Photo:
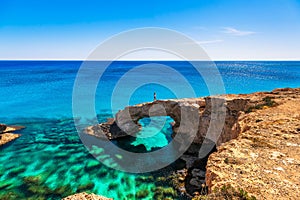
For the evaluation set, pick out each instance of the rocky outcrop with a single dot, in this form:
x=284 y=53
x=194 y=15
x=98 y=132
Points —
x=196 y=117
x=7 y=135
x=184 y=112
x=252 y=133
x=86 y=196
x=264 y=159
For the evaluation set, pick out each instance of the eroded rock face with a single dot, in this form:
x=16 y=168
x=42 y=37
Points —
x=264 y=159
x=184 y=112
x=238 y=125
x=194 y=118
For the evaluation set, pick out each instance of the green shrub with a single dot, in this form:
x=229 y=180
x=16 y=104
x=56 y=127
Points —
x=267 y=102
x=228 y=192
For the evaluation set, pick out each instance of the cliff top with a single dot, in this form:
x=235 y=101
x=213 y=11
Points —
x=264 y=160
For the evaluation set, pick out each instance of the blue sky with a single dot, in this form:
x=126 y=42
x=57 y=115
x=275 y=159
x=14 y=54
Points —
x=226 y=29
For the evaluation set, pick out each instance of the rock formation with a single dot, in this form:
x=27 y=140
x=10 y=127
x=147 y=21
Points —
x=264 y=159
x=217 y=115
x=7 y=135
x=86 y=196
x=256 y=135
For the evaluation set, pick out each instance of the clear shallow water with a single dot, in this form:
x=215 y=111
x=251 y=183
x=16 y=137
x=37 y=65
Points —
x=155 y=133
x=49 y=160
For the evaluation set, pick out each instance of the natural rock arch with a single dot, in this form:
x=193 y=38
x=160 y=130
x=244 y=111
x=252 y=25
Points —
x=193 y=114
x=235 y=106
x=180 y=112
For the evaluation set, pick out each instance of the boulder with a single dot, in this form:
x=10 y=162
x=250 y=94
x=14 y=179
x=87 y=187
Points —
x=86 y=196
x=7 y=134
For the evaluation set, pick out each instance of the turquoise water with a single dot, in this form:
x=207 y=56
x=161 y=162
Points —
x=49 y=160
x=155 y=133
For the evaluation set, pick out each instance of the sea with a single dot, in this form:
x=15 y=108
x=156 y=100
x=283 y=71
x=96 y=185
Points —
x=50 y=161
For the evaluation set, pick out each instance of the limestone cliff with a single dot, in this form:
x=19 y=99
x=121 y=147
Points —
x=264 y=159
x=190 y=115
x=257 y=137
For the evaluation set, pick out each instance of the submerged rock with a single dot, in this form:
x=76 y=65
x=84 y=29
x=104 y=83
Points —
x=141 y=194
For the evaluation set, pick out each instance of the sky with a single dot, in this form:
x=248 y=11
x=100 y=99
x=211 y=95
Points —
x=225 y=29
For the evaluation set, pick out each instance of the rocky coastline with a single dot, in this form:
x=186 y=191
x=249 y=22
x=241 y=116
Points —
x=263 y=162
x=255 y=156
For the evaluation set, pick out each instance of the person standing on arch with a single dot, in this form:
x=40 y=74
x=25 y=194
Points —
x=154 y=96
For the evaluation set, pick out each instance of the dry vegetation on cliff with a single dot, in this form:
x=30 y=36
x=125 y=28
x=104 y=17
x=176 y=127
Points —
x=264 y=160
x=258 y=149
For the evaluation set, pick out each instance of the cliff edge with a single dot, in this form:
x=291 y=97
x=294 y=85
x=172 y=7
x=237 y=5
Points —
x=264 y=160
x=258 y=144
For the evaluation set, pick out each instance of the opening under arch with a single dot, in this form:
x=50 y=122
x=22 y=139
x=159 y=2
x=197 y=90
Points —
x=156 y=132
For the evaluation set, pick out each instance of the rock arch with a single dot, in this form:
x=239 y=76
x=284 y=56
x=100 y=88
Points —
x=196 y=113
x=181 y=112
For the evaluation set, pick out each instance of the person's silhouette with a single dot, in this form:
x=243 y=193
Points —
x=154 y=96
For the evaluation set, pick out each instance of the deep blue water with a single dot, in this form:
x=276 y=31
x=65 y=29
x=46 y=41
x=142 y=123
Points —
x=43 y=89
x=49 y=156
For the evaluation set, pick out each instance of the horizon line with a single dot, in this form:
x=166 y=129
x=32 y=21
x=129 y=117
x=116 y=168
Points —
x=160 y=60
